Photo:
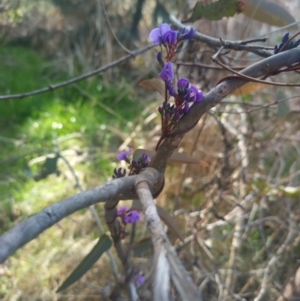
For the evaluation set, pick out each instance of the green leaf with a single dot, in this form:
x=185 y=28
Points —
x=103 y=244
x=260 y=10
x=165 y=216
x=267 y=12
x=169 y=221
x=49 y=167
x=215 y=10
x=141 y=246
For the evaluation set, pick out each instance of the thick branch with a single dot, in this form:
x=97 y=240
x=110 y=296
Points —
x=166 y=261
x=121 y=189
x=212 y=98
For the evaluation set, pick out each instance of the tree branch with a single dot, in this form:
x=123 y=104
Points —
x=212 y=98
x=78 y=78
x=233 y=45
x=121 y=189
x=166 y=262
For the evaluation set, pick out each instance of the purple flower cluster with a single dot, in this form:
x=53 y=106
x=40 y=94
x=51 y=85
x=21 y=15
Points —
x=289 y=45
x=186 y=92
x=128 y=216
x=139 y=279
x=184 y=95
x=135 y=166
x=166 y=36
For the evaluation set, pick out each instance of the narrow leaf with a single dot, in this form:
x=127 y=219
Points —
x=103 y=244
x=175 y=158
x=49 y=167
x=249 y=88
x=169 y=221
x=267 y=12
x=155 y=84
x=141 y=246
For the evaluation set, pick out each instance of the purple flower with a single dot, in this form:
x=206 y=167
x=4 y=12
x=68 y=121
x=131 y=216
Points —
x=122 y=211
x=287 y=46
x=123 y=155
x=132 y=217
x=171 y=89
x=163 y=35
x=183 y=86
x=285 y=38
x=139 y=280
x=170 y=37
x=145 y=159
x=186 y=35
x=127 y=216
x=119 y=173
x=167 y=73
x=195 y=95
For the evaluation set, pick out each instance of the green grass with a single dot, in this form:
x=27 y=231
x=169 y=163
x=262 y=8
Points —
x=86 y=123
x=84 y=117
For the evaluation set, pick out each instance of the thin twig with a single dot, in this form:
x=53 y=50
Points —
x=214 y=42
x=79 y=78
x=111 y=29
x=251 y=79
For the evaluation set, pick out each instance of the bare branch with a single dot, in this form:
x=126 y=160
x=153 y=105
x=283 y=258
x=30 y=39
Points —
x=166 y=259
x=120 y=189
x=226 y=44
x=78 y=78
x=161 y=268
x=212 y=98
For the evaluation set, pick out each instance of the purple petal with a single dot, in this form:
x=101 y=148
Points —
x=171 y=89
x=163 y=28
x=132 y=217
x=195 y=94
x=167 y=74
x=170 y=37
x=183 y=85
x=139 y=280
x=146 y=158
x=285 y=38
x=123 y=155
x=187 y=35
x=155 y=36
x=122 y=211
x=199 y=96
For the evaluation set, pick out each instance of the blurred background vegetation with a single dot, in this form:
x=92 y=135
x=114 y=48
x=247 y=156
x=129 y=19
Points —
x=239 y=210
